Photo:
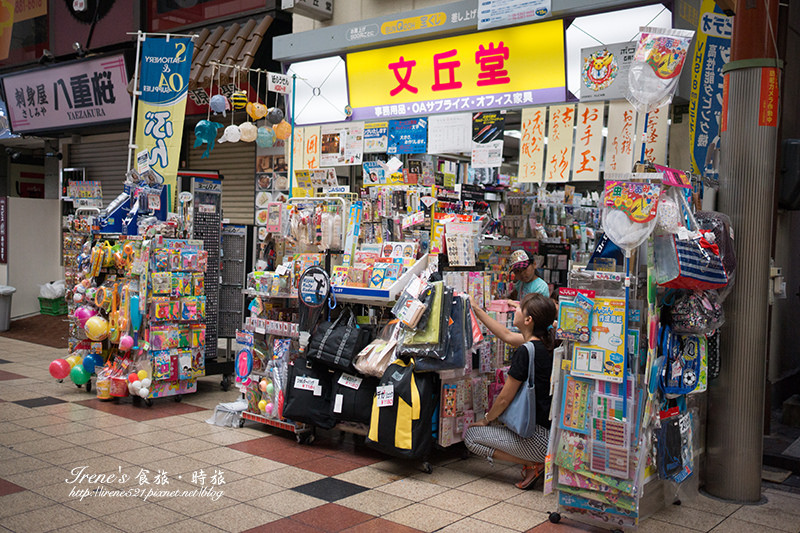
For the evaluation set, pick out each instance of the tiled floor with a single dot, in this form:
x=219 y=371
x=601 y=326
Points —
x=60 y=447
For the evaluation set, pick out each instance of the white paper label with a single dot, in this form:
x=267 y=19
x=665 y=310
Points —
x=337 y=403
x=385 y=395
x=318 y=390
x=304 y=383
x=350 y=381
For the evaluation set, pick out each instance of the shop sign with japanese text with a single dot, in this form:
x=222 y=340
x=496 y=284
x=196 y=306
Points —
x=496 y=13
x=604 y=71
x=512 y=67
x=83 y=92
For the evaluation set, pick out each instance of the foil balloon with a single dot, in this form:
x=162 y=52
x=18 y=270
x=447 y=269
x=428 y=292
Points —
x=239 y=100
x=275 y=115
x=282 y=130
x=249 y=131
x=219 y=104
x=232 y=134
x=265 y=137
x=206 y=132
x=256 y=110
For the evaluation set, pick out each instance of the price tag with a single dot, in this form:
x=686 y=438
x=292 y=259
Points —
x=154 y=201
x=385 y=396
x=304 y=383
x=350 y=381
x=337 y=403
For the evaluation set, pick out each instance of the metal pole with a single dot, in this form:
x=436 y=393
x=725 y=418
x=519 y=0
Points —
x=291 y=143
x=747 y=183
x=140 y=37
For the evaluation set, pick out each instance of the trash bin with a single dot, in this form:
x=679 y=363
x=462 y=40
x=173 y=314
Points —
x=6 y=292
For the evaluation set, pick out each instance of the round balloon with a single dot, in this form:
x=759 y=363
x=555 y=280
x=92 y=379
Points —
x=283 y=130
x=72 y=361
x=84 y=313
x=79 y=375
x=133 y=377
x=262 y=405
x=262 y=385
x=144 y=392
x=125 y=343
x=142 y=374
x=265 y=137
x=146 y=383
x=96 y=328
x=270 y=389
x=269 y=408
x=89 y=362
x=60 y=368
x=275 y=115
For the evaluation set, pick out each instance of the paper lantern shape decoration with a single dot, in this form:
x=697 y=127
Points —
x=249 y=131
x=321 y=91
x=239 y=100
x=206 y=132
x=266 y=137
x=232 y=134
x=219 y=104
x=256 y=110
x=282 y=130
x=275 y=115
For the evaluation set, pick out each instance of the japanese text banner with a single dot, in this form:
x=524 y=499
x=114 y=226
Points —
x=620 y=140
x=588 y=142
x=517 y=66
x=654 y=135
x=559 y=143
x=531 y=144
x=162 y=104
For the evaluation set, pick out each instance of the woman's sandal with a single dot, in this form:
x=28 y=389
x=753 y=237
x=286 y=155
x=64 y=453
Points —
x=531 y=475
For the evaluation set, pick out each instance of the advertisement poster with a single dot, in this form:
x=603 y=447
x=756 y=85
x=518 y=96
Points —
x=487 y=139
x=604 y=71
x=408 y=136
x=496 y=13
x=342 y=144
x=603 y=358
x=450 y=134
x=712 y=51
x=376 y=137
x=162 y=104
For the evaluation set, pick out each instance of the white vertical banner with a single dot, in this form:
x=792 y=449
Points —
x=559 y=143
x=531 y=144
x=297 y=161
x=310 y=147
x=588 y=141
x=620 y=140
x=655 y=138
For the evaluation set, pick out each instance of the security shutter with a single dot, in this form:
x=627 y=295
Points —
x=237 y=163
x=105 y=161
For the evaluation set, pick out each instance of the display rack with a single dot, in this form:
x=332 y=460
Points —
x=380 y=296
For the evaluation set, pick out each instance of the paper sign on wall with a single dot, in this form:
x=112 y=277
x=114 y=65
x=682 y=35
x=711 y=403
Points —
x=531 y=144
x=448 y=134
x=559 y=143
x=588 y=142
x=487 y=139
x=620 y=140
x=342 y=144
x=376 y=137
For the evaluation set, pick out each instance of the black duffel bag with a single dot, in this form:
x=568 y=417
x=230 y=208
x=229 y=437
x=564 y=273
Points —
x=337 y=343
x=308 y=394
x=351 y=399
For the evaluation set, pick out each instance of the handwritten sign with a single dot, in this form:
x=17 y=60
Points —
x=619 y=143
x=588 y=142
x=531 y=144
x=559 y=143
x=654 y=136
x=279 y=83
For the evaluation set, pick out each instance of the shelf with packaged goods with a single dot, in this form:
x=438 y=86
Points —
x=380 y=296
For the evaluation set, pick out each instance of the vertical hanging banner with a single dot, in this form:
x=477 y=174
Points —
x=588 y=142
x=311 y=149
x=619 y=143
x=712 y=51
x=559 y=143
x=162 y=104
x=531 y=144
x=655 y=137
x=6 y=25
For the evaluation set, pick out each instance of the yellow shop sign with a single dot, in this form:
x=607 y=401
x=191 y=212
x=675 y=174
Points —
x=413 y=23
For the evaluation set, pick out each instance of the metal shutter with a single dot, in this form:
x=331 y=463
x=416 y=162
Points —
x=105 y=161
x=237 y=163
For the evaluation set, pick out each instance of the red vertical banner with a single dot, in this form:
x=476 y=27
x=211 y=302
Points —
x=3 y=230
x=768 y=99
x=723 y=122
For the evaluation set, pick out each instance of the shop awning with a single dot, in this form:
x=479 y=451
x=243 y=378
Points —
x=235 y=45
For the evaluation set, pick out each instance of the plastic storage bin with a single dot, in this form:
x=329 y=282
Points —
x=6 y=292
x=53 y=306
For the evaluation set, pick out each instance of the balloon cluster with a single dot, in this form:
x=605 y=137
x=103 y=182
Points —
x=139 y=384
x=266 y=386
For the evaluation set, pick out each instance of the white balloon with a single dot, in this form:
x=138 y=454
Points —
x=136 y=385
x=146 y=383
x=144 y=393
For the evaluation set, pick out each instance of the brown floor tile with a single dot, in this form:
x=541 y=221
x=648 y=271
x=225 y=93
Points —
x=4 y=375
x=379 y=525
x=6 y=487
x=290 y=456
x=284 y=525
x=328 y=466
x=332 y=517
x=161 y=408
x=255 y=446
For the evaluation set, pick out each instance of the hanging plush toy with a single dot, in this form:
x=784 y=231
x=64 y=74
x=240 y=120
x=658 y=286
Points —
x=275 y=115
x=256 y=110
x=249 y=131
x=239 y=100
x=282 y=130
x=219 y=104
x=265 y=137
x=206 y=132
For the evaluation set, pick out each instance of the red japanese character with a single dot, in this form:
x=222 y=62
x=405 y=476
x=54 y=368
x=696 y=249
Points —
x=585 y=156
x=445 y=65
x=403 y=80
x=590 y=113
x=492 y=61
x=566 y=118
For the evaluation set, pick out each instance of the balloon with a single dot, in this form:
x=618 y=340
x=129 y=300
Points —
x=275 y=115
x=72 y=361
x=219 y=104
x=249 y=131
x=270 y=389
x=60 y=368
x=90 y=292
x=269 y=408
x=146 y=383
x=89 y=362
x=206 y=132
x=79 y=375
x=256 y=110
x=77 y=297
x=136 y=385
x=239 y=100
x=80 y=288
x=84 y=313
x=96 y=328
x=133 y=377
x=232 y=134
x=262 y=385
x=262 y=405
x=265 y=137
x=282 y=130
x=142 y=374
x=125 y=343
x=144 y=392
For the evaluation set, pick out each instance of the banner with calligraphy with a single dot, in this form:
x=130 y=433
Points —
x=91 y=91
x=588 y=142
x=655 y=137
x=510 y=67
x=164 y=80
x=294 y=151
x=310 y=147
x=620 y=138
x=531 y=144
x=712 y=51
x=561 y=122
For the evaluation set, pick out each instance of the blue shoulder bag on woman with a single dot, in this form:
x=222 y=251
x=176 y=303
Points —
x=520 y=415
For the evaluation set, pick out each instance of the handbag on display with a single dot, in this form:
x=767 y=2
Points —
x=337 y=343
x=681 y=366
x=520 y=415
x=460 y=341
x=351 y=397
x=308 y=394
x=376 y=356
